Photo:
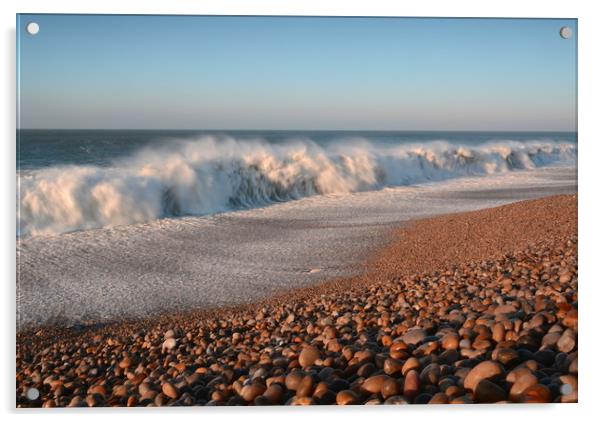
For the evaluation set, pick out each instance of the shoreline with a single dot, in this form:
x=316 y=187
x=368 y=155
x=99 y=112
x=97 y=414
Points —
x=420 y=248
x=240 y=257
x=379 y=272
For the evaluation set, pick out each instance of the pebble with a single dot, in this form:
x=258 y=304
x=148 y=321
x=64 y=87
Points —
x=391 y=387
x=448 y=357
x=251 y=391
x=483 y=371
x=293 y=380
x=450 y=341
x=439 y=398
x=489 y=392
x=347 y=397
x=396 y=400
x=308 y=356
x=506 y=356
x=414 y=336
x=567 y=341
x=536 y=394
x=392 y=366
x=411 y=385
x=76 y=401
x=274 y=393
x=374 y=384
x=410 y=364
x=430 y=374
x=169 y=344
x=305 y=387
x=523 y=381
x=98 y=389
x=170 y=391
x=499 y=332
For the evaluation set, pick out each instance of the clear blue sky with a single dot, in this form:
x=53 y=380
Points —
x=195 y=72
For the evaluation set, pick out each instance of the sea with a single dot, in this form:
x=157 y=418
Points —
x=85 y=179
x=116 y=224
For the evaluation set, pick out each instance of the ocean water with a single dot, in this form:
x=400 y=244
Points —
x=116 y=224
x=77 y=180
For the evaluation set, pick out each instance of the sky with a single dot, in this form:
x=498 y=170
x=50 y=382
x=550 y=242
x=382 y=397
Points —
x=209 y=72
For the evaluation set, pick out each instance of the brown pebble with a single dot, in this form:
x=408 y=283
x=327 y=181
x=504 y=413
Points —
x=125 y=362
x=410 y=364
x=414 y=336
x=536 y=394
x=262 y=401
x=390 y=387
x=450 y=341
x=249 y=392
x=448 y=357
x=330 y=332
x=396 y=400
x=169 y=344
x=570 y=320
x=430 y=374
x=374 y=384
x=347 y=397
x=573 y=367
x=567 y=341
x=160 y=399
x=308 y=356
x=386 y=340
x=392 y=366
x=517 y=372
x=302 y=401
x=485 y=370
x=324 y=397
x=366 y=370
x=439 y=398
x=454 y=391
x=120 y=390
x=505 y=356
x=498 y=333
x=305 y=387
x=149 y=395
x=411 y=384
x=462 y=400
x=523 y=381
x=76 y=401
x=489 y=392
x=274 y=393
x=91 y=400
x=293 y=380
x=98 y=389
x=170 y=391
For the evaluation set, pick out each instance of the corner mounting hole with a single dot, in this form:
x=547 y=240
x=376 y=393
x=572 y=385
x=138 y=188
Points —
x=33 y=28
x=566 y=32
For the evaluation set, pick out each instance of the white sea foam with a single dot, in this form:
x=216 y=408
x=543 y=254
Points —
x=178 y=264
x=210 y=175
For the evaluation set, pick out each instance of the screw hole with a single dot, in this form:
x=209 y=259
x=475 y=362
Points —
x=33 y=28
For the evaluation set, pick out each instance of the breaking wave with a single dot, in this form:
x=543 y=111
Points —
x=210 y=175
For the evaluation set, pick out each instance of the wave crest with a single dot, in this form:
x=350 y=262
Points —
x=212 y=174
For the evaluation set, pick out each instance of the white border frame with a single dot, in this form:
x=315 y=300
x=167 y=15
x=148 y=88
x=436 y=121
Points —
x=590 y=141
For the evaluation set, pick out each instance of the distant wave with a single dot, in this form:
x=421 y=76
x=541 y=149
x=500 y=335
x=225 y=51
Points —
x=209 y=175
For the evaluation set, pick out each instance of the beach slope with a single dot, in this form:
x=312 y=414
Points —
x=476 y=307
